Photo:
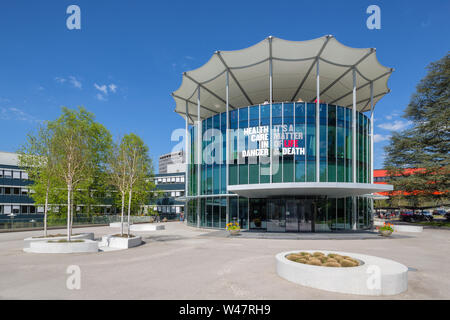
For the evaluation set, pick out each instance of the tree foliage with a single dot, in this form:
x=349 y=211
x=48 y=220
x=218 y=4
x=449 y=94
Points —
x=80 y=147
x=130 y=170
x=425 y=146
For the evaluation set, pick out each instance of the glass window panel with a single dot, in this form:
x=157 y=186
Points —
x=233 y=209
x=311 y=143
x=216 y=213
x=331 y=143
x=243 y=213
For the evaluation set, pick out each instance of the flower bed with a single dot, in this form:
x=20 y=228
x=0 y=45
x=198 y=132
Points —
x=320 y=259
x=386 y=229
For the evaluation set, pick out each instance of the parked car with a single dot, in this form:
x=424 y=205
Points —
x=440 y=212
x=411 y=216
x=407 y=216
x=447 y=215
x=427 y=215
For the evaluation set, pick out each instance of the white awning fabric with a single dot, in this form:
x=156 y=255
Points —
x=294 y=76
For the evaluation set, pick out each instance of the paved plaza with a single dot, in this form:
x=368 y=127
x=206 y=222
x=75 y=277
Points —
x=186 y=263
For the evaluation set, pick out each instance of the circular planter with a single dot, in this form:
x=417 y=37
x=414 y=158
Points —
x=86 y=236
x=234 y=232
x=386 y=233
x=120 y=242
x=147 y=227
x=62 y=247
x=376 y=276
x=118 y=224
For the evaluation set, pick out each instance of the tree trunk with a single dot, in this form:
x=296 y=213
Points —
x=121 y=214
x=45 y=210
x=129 y=210
x=68 y=211
x=71 y=212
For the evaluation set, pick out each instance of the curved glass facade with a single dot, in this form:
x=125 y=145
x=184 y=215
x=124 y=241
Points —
x=287 y=133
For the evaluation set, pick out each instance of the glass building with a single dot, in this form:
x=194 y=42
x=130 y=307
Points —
x=301 y=165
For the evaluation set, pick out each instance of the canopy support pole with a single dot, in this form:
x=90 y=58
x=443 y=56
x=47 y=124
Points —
x=227 y=156
x=271 y=98
x=371 y=132
x=371 y=150
x=354 y=147
x=317 y=121
x=199 y=155
x=187 y=157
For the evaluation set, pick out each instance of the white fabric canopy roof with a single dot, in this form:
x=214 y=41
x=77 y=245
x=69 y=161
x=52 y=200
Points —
x=294 y=76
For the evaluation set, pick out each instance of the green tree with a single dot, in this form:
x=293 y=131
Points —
x=118 y=170
x=36 y=159
x=426 y=144
x=80 y=147
x=130 y=169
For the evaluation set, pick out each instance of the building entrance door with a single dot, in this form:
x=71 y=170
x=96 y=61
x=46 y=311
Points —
x=276 y=218
x=305 y=216
x=292 y=209
x=257 y=213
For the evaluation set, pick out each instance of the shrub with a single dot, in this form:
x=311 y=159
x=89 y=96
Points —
x=305 y=253
x=301 y=260
x=293 y=257
x=332 y=264
x=314 y=262
x=318 y=254
x=347 y=263
x=324 y=259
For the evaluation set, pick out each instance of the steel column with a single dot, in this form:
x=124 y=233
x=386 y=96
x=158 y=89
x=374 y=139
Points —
x=354 y=147
x=227 y=143
x=199 y=157
x=317 y=122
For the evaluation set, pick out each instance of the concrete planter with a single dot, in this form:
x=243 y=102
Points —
x=377 y=276
x=86 y=236
x=386 y=233
x=120 y=242
x=406 y=228
x=234 y=232
x=117 y=225
x=147 y=227
x=62 y=247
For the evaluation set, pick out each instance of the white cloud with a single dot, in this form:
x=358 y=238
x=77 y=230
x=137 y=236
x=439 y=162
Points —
x=389 y=117
x=380 y=137
x=72 y=80
x=396 y=125
x=105 y=89
x=12 y=113
x=75 y=82
x=101 y=88
x=60 y=80
x=100 y=97
x=112 y=87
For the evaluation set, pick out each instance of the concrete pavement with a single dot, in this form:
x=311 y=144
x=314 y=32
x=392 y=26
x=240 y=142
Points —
x=186 y=263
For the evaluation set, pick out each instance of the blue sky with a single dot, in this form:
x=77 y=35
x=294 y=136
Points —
x=129 y=55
